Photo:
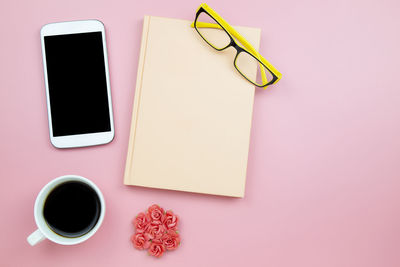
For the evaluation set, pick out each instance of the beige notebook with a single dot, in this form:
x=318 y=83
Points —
x=192 y=113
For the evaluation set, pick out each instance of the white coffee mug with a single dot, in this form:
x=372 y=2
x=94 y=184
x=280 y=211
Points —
x=44 y=231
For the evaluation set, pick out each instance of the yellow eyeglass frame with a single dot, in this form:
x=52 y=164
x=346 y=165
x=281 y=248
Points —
x=243 y=46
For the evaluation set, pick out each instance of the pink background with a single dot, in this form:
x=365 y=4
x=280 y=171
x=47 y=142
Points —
x=323 y=174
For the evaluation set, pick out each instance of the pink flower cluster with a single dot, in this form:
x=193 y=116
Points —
x=156 y=231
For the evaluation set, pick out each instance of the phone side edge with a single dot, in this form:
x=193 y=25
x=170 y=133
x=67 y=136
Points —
x=44 y=63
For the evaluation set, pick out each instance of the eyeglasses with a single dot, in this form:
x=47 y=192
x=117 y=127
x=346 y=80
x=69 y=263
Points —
x=220 y=35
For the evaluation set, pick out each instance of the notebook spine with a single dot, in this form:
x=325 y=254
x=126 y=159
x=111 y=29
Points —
x=136 y=105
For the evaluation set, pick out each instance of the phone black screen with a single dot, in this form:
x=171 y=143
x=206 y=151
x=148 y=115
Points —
x=77 y=83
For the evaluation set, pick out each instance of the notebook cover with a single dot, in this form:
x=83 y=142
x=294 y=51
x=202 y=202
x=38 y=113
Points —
x=192 y=113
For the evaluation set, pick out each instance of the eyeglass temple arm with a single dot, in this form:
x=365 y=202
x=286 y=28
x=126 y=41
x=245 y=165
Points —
x=247 y=45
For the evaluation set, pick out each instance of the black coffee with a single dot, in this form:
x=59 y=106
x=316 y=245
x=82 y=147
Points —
x=72 y=209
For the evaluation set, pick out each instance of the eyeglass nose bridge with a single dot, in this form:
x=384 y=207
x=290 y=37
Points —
x=236 y=46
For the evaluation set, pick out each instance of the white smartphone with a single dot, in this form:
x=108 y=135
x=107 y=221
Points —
x=77 y=83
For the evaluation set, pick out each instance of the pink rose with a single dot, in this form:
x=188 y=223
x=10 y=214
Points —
x=140 y=241
x=141 y=221
x=156 y=249
x=155 y=231
x=170 y=220
x=156 y=214
x=171 y=240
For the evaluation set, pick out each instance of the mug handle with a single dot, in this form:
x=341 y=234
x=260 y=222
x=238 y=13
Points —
x=35 y=237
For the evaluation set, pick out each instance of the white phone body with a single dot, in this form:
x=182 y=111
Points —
x=68 y=29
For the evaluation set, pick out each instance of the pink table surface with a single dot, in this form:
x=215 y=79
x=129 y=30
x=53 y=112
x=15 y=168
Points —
x=323 y=177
